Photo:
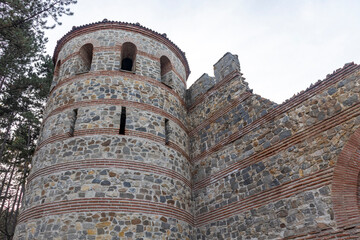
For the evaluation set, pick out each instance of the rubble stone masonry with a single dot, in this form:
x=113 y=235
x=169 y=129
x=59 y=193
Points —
x=127 y=152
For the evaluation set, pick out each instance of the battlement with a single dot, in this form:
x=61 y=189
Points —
x=224 y=70
x=226 y=65
x=199 y=87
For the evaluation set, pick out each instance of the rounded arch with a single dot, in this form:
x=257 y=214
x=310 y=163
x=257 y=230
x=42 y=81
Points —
x=166 y=71
x=128 y=56
x=86 y=55
x=57 y=69
x=345 y=184
x=165 y=65
x=56 y=77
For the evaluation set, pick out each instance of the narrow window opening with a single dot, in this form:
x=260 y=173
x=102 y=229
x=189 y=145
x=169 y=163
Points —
x=73 y=122
x=167 y=131
x=122 y=121
x=128 y=56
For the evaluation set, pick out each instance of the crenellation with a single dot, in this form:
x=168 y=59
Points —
x=226 y=65
x=127 y=152
x=199 y=87
x=217 y=100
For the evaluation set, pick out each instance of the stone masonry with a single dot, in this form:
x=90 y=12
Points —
x=127 y=152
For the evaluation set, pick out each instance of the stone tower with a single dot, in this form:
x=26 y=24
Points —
x=113 y=159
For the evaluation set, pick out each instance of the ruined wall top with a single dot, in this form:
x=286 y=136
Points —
x=226 y=66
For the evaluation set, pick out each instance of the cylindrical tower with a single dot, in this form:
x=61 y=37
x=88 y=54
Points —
x=112 y=161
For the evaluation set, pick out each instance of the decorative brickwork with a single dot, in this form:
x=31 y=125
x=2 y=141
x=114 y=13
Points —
x=345 y=189
x=127 y=152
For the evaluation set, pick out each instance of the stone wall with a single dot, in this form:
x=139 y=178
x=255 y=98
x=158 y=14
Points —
x=263 y=170
x=198 y=88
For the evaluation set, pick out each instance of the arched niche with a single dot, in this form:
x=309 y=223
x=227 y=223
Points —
x=128 y=57
x=86 y=56
x=345 y=184
x=166 y=71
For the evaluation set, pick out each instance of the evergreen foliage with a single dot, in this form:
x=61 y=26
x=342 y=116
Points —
x=25 y=77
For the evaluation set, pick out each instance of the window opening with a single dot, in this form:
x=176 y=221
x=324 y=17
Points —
x=57 y=69
x=126 y=64
x=73 y=122
x=86 y=55
x=165 y=71
x=56 y=75
x=128 y=56
x=167 y=131
x=122 y=121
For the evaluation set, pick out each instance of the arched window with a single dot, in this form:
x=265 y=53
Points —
x=86 y=55
x=128 y=56
x=166 y=71
x=56 y=75
x=57 y=70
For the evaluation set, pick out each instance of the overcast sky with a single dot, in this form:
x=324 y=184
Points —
x=283 y=46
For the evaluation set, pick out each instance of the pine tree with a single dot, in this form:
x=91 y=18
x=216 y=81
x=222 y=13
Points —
x=25 y=78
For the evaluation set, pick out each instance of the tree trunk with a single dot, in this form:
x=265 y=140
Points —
x=7 y=188
x=11 y=121
x=3 y=181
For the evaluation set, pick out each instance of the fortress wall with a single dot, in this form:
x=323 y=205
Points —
x=273 y=177
x=215 y=161
x=199 y=87
x=216 y=99
x=213 y=131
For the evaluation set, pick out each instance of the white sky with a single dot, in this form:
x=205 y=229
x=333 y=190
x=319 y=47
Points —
x=283 y=45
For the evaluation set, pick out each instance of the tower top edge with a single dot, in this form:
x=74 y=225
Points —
x=133 y=27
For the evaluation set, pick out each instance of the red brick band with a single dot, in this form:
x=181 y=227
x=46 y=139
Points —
x=288 y=189
x=118 y=102
x=315 y=181
x=130 y=76
x=113 y=131
x=345 y=185
x=330 y=233
x=286 y=106
x=71 y=55
x=105 y=205
x=157 y=139
x=109 y=163
x=316 y=129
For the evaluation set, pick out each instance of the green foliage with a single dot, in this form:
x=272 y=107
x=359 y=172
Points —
x=25 y=78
